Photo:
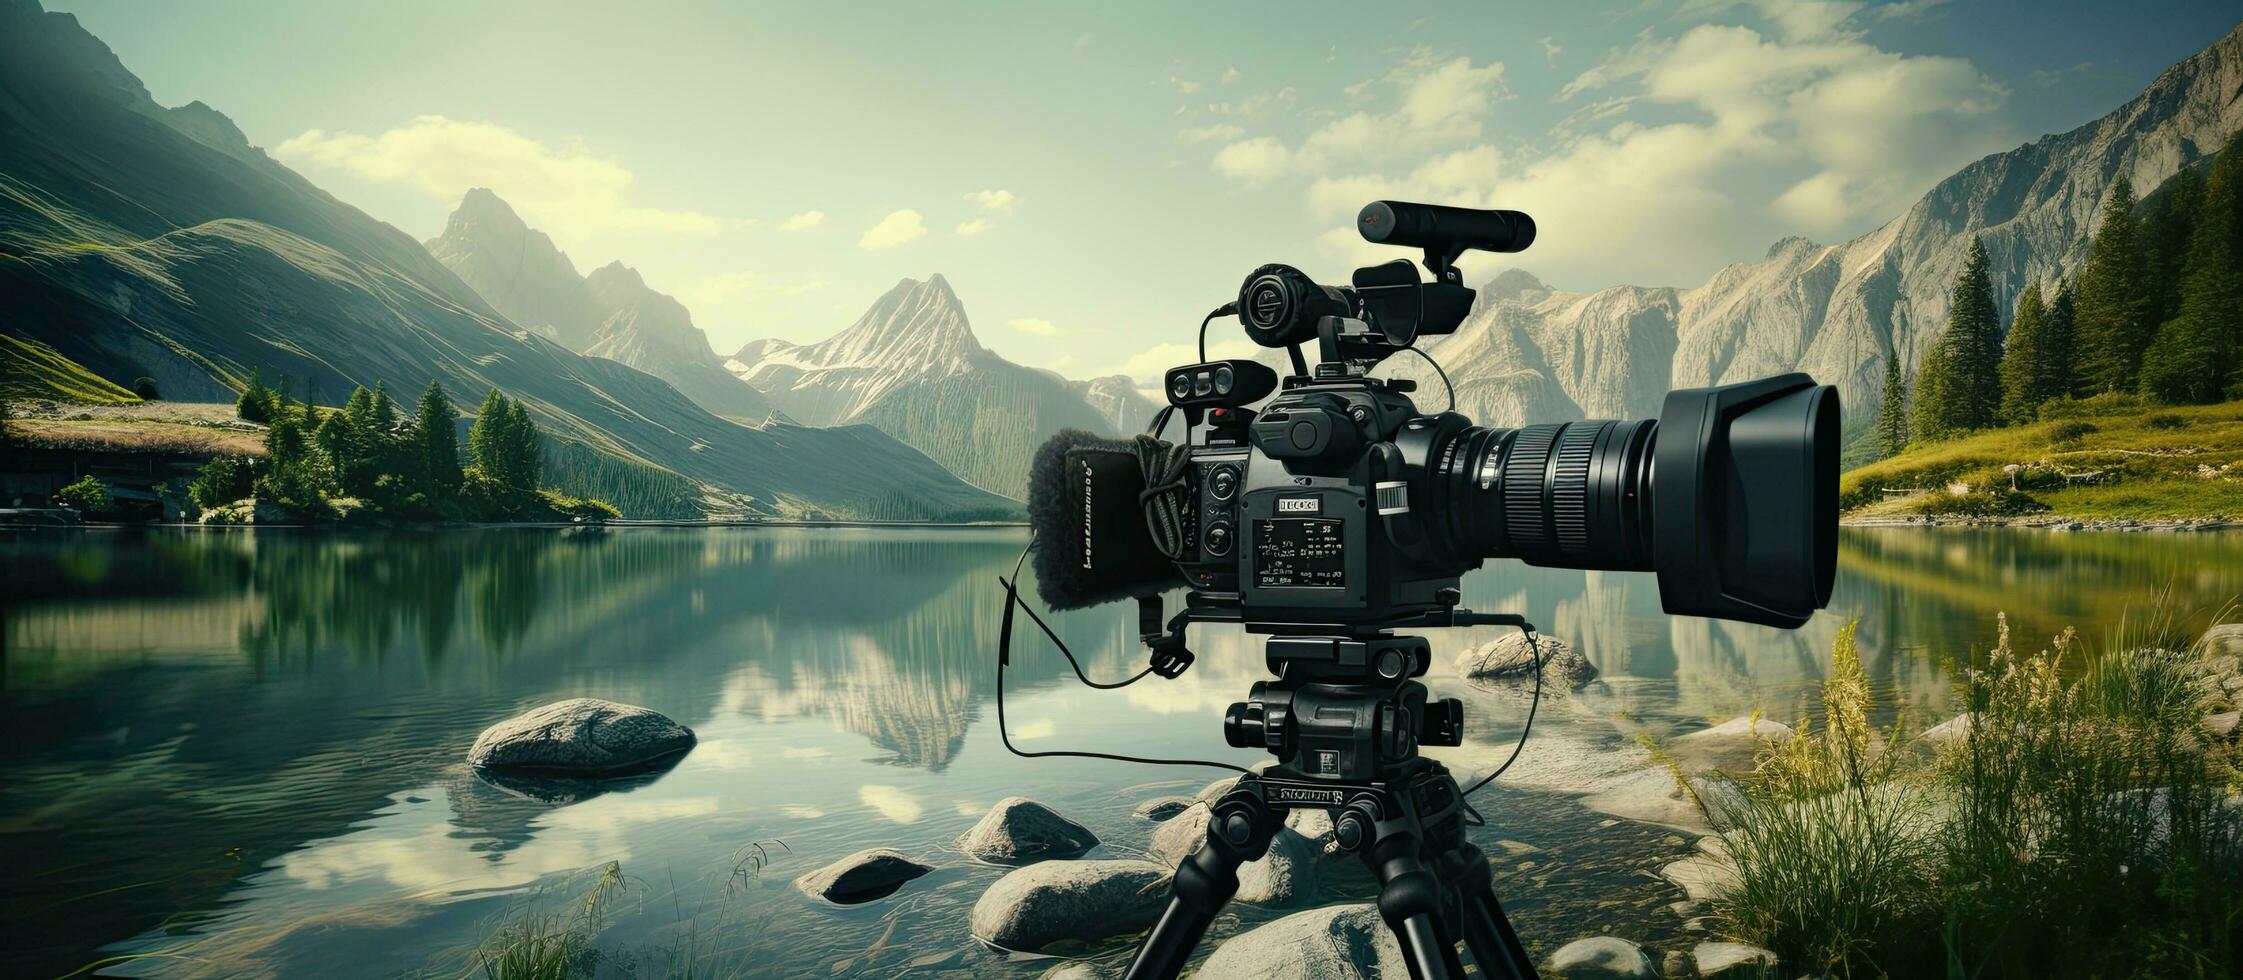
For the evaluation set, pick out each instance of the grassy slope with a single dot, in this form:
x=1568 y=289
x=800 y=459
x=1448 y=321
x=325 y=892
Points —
x=30 y=369
x=2155 y=463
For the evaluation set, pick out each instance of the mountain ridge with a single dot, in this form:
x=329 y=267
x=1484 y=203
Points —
x=1838 y=311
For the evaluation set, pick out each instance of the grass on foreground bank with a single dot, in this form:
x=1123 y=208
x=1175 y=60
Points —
x=2104 y=458
x=2086 y=825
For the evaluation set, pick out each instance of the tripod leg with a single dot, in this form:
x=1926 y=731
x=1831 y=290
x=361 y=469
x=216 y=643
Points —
x=1238 y=831
x=1410 y=902
x=1487 y=932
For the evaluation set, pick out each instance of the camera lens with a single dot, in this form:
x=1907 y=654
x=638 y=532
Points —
x=1223 y=380
x=1568 y=494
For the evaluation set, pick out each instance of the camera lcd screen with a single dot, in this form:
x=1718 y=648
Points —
x=1297 y=552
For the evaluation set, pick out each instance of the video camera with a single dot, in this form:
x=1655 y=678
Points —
x=1337 y=504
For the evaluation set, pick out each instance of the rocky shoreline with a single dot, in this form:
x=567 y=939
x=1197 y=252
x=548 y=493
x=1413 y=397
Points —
x=2051 y=523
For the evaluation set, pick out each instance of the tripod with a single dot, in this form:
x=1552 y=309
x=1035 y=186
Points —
x=1345 y=719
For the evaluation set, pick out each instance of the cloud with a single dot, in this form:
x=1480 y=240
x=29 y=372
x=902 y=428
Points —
x=1217 y=133
x=1550 y=52
x=730 y=286
x=972 y=227
x=895 y=229
x=798 y=222
x=1255 y=161
x=1033 y=325
x=1148 y=365
x=1230 y=75
x=993 y=200
x=891 y=802
x=567 y=191
x=1183 y=85
x=1436 y=103
x=1035 y=729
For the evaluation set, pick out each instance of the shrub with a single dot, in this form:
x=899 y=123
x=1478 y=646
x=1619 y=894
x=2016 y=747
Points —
x=146 y=388
x=582 y=508
x=2070 y=433
x=85 y=496
x=2167 y=421
x=222 y=481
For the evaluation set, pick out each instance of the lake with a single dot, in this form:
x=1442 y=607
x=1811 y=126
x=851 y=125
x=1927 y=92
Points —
x=240 y=752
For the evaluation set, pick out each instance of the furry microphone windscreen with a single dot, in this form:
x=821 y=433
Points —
x=1091 y=542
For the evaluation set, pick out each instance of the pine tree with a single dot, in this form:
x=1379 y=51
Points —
x=2195 y=353
x=521 y=449
x=1892 y=416
x=436 y=444
x=2059 y=341
x=287 y=455
x=384 y=413
x=256 y=401
x=2167 y=228
x=484 y=439
x=2025 y=365
x=2112 y=324
x=1960 y=386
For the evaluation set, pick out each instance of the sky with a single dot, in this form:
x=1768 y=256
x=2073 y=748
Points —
x=1092 y=179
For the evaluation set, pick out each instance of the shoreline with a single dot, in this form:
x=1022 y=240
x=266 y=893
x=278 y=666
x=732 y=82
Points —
x=2047 y=522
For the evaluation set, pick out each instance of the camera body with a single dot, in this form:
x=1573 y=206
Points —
x=1293 y=507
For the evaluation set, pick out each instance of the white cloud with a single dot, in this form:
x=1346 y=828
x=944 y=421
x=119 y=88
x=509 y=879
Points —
x=972 y=227
x=1183 y=85
x=1550 y=51
x=1035 y=729
x=566 y=191
x=1217 y=133
x=1033 y=325
x=806 y=219
x=1255 y=161
x=891 y=802
x=895 y=229
x=730 y=286
x=1148 y=365
x=1230 y=75
x=997 y=200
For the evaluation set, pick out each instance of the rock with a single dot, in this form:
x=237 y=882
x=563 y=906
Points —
x=581 y=736
x=1733 y=745
x=2224 y=640
x=1215 y=790
x=861 y=877
x=1078 y=971
x=1290 y=872
x=1723 y=959
x=1952 y=730
x=1674 y=963
x=1084 y=901
x=2222 y=724
x=1335 y=941
x=1162 y=807
x=1703 y=877
x=1509 y=657
x=1600 y=958
x=1019 y=830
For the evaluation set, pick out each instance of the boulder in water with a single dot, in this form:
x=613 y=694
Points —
x=861 y=877
x=1510 y=657
x=1080 y=901
x=1162 y=807
x=1019 y=830
x=1289 y=872
x=1335 y=941
x=1601 y=958
x=1733 y=960
x=581 y=737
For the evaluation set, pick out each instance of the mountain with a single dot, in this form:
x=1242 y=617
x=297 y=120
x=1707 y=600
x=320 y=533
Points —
x=139 y=240
x=612 y=313
x=1116 y=399
x=911 y=366
x=1528 y=352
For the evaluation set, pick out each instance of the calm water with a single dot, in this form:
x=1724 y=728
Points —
x=239 y=753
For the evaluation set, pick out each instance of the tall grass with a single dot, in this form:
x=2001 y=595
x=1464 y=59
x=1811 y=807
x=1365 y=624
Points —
x=2082 y=826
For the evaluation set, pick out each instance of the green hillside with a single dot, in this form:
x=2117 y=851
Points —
x=2104 y=458
x=142 y=241
x=30 y=369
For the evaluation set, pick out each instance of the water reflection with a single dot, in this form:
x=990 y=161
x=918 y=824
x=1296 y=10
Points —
x=268 y=726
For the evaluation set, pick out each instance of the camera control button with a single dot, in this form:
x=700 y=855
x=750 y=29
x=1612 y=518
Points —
x=1218 y=539
x=1223 y=483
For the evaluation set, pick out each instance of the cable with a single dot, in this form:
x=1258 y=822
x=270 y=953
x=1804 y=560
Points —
x=1224 y=310
x=1444 y=376
x=1167 y=472
x=1004 y=656
x=1534 y=649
